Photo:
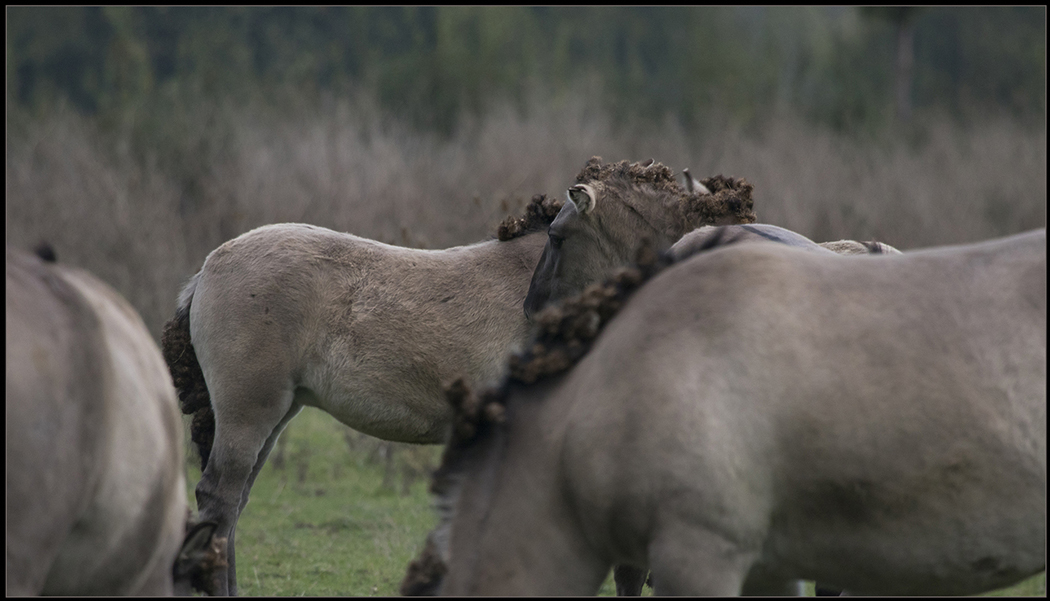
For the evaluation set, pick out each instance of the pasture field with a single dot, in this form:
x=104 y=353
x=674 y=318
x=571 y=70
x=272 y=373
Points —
x=334 y=514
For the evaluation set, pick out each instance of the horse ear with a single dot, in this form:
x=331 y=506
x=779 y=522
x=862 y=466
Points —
x=691 y=185
x=583 y=197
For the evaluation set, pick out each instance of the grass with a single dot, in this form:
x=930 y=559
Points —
x=326 y=523
x=333 y=514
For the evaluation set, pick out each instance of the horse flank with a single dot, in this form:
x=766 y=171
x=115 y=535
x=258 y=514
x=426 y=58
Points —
x=181 y=358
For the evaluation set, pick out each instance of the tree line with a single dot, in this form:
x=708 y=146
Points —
x=432 y=65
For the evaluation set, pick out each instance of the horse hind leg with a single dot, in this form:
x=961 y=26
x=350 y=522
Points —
x=247 y=424
x=264 y=453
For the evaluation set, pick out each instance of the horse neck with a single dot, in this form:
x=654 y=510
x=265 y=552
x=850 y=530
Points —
x=515 y=492
x=510 y=263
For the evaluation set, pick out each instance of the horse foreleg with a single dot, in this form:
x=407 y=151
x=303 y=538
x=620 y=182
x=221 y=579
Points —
x=689 y=561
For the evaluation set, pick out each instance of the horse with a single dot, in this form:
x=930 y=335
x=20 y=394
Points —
x=293 y=315
x=755 y=415
x=615 y=208
x=96 y=494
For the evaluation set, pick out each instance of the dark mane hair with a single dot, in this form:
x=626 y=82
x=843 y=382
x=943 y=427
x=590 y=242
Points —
x=564 y=334
x=539 y=213
x=729 y=202
x=660 y=177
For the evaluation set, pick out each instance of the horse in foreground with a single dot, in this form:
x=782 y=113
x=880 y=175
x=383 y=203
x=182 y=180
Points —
x=755 y=415
x=96 y=496
x=616 y=208
x=292 y=315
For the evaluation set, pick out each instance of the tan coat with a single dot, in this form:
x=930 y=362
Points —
x=757 y=415
x=96 y=496
x=293 y=315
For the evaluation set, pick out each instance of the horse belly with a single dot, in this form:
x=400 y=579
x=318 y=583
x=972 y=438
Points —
x=966 y=542
x=387 y=407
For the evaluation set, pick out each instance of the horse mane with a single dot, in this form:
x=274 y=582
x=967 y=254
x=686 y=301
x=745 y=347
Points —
x=730 y=199
x=564 y=334
x=539 y=213
x=659 y=176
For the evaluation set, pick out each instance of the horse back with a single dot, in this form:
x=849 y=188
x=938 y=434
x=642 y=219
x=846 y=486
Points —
x=350 y=318
x=94 y=443
x=827 y=410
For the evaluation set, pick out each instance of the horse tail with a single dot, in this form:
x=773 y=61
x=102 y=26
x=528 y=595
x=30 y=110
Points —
x=187 y=375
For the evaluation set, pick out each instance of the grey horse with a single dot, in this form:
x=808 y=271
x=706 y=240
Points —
x=96 y=495
x=615 y=207
x=292 y=315
x=755 y=415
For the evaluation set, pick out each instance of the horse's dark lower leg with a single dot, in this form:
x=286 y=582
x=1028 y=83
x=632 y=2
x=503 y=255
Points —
x=211 y=508
x=232 y=571
x=629 y=580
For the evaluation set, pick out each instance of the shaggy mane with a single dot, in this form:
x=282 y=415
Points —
x=660 y=177
x=730 y=199
x=564 y=334
x=539 y=213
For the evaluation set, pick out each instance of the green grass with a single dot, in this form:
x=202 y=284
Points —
x=333 y=521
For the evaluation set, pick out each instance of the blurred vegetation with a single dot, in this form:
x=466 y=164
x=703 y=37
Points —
x=433 y=65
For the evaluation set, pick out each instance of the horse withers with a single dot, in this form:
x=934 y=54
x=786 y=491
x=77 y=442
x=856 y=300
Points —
x=96 y=496
x=755 y=415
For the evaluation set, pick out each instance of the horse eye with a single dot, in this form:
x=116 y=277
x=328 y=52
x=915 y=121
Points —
x=556 y=241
